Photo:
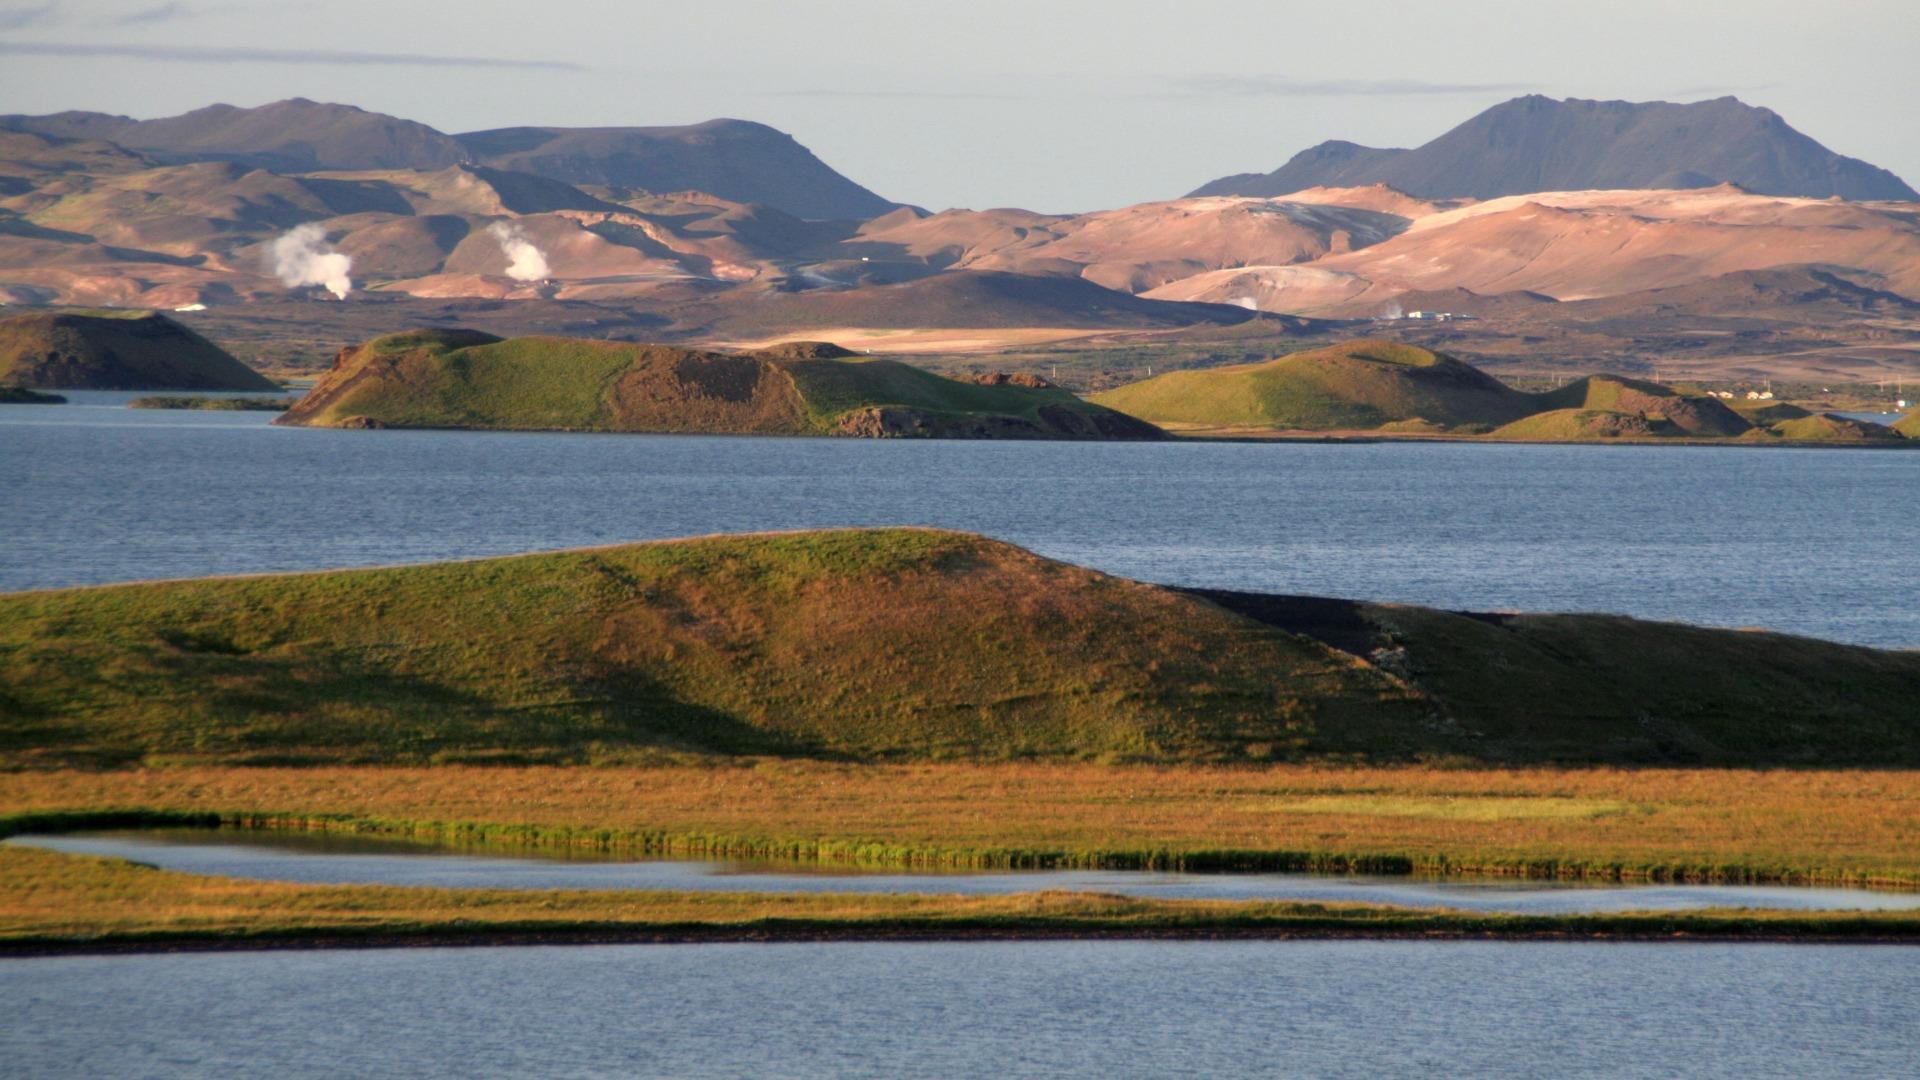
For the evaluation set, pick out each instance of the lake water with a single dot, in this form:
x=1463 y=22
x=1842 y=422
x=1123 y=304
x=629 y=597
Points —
x=1818 y=542
x=334 y=859
x=1330 y=1009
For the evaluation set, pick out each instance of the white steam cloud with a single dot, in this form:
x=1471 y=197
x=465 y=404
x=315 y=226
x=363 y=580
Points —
x=524 y=261
x=302 y=256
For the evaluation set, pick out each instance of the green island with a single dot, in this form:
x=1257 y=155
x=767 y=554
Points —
x=896 y=644
x=467 y=379
x=1384 y=389
x=212 y=404
x=114 y=349
x=919 y=698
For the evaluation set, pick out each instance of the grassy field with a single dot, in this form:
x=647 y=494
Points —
x=54 y=902
x=889 y=645
x=1860 y=827
x=460 y=379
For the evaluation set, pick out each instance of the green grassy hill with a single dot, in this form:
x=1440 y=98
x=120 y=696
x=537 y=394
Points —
x=1358 y=384
x=1398 y=389
x=898 y=643
x=1661 y=406
x=465 y=379
x=116 y=350
x=1584 y=425
x=1909 y=425
x=1766 y=412
x=892 y=645
x=1825 y=428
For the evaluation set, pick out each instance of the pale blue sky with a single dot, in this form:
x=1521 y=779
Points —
x=1049 y=104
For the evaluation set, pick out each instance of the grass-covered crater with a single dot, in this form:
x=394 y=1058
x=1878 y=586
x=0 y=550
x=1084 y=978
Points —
x=894 y=644
x=466 y=379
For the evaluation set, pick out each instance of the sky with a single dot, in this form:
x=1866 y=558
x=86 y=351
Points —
x=1052 y=105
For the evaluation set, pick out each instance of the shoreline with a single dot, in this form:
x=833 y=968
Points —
x=324 y=939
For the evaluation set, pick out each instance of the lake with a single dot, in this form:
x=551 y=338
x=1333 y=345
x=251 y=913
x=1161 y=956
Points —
x=335 y=859
x=1329 y=1009
x=1816 y=542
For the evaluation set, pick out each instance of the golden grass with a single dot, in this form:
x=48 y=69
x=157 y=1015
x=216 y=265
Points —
x=1459 y=807
x=1813 y=826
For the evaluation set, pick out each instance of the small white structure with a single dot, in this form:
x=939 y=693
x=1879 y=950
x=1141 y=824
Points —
x=191 y=307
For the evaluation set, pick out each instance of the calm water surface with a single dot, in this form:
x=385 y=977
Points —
x=322 y=859
x=1812 y=541
x=1053 y=1009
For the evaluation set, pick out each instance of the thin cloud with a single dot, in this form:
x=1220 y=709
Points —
x=201 y=54
x=1281 y=86
x=16 y=18
x=158 y=13
x=942 y=95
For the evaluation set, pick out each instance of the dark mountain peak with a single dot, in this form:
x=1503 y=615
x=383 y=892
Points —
x=740 y=160
x=1538 y=143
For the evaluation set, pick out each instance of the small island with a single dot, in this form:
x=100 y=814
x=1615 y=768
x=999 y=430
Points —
x=20 y=395
x=900 y=645
x=213 y=404
x=468 y=379
x=116 y=350
x=1382 y=389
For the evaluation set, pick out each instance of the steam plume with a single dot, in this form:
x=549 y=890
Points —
x=524 y=261
x=303 y=257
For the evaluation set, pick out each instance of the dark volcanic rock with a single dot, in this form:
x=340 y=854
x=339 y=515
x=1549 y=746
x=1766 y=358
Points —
x=1536 y=143
x=734 y=159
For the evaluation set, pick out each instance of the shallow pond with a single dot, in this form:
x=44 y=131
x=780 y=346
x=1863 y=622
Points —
x=321 y=858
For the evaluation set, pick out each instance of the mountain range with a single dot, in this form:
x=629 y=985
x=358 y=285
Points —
x=734 y=159
x=623 y=230
x=1536 y=143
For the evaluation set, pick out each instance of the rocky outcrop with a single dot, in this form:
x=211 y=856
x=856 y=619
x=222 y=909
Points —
x=1051 y=422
